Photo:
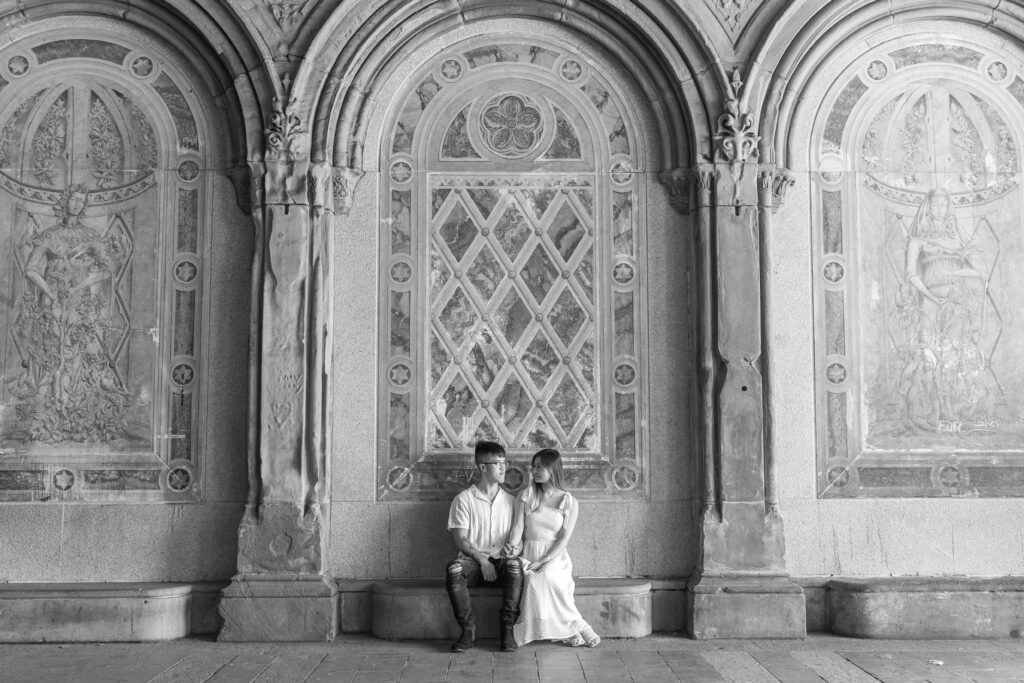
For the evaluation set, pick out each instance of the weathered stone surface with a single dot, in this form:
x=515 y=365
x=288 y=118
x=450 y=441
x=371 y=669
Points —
x=943 y=608
x=42 y=612
x=733 y=607
x=616 y=608
x=279 y=608
x=283 y=539
x=744 y=541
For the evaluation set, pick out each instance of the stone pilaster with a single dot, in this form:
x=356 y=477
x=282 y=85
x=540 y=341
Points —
x=283 y=590
x=741 y=588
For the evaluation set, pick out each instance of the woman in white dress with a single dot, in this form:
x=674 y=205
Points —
x=544 y=519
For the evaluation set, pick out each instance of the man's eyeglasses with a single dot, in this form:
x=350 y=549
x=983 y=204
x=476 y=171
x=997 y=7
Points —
x=497 y=463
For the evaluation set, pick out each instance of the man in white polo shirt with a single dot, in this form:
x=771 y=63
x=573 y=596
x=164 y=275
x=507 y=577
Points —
x=480 y=518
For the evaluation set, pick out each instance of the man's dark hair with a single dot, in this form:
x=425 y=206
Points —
x=485 y=449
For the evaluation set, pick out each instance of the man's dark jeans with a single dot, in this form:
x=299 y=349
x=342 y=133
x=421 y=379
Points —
x=464 y=573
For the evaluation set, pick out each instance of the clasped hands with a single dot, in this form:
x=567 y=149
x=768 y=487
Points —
x=513 y=549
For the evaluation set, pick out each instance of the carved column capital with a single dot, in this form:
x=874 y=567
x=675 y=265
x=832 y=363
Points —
x=772 y=183
x=344 y=186
x=679 y=183
x=781 y=181
x=706 y=175
x=690 y=188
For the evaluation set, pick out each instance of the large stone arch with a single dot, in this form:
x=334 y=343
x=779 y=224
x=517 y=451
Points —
x=837 y=111
x=668 y=55
x=602 y=471
x=806 y=35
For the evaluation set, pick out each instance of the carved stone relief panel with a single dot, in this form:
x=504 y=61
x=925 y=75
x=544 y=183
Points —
x=918 y=270
x=512 y=275
x=733 y=15
x=101 y=205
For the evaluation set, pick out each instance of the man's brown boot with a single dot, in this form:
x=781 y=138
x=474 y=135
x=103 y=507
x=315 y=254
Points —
x=465 y=640
x=508 y=641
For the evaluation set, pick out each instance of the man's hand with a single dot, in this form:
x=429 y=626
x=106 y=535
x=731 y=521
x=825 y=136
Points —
x=489 y=571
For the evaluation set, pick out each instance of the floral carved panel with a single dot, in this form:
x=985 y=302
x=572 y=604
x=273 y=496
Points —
x=513 y=268
x=917 y=273
x=101 y=207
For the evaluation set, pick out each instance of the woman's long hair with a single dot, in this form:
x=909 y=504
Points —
x=551 y=460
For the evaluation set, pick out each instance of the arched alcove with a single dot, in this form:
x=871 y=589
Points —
x=107 y=218
x=514 y=272
x=902 y=245
x=917 y=203
x=111 y=160
x=537 y=251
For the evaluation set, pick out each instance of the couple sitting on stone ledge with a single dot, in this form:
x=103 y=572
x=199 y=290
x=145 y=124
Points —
x=519 y=544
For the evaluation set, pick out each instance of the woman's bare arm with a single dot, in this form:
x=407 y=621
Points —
x=564 y=534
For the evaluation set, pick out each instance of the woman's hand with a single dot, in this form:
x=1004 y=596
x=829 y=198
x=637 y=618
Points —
x=539 y=564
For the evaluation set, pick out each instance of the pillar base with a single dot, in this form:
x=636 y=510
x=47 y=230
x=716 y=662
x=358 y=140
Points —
x=746 y=607
x=264 y=608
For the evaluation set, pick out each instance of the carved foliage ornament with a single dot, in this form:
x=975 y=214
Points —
x=735 y=141
x=284 y=139
x=731 y=11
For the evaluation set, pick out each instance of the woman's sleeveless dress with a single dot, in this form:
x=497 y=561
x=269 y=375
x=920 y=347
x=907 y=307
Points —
x=547 y=610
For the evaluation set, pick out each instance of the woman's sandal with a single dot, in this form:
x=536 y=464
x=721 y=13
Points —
x=588 y=637
x=576 y=641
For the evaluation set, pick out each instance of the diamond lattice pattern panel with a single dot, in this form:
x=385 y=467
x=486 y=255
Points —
x=509 y=326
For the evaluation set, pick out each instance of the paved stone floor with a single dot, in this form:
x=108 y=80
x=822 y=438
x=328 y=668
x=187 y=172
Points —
x=359 y=659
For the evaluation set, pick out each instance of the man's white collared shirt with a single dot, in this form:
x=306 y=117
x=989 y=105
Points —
x=488 y=521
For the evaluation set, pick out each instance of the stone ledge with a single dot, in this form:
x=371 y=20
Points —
x=419 y=608
x=746 y=606
x=927 y=584
x=88 y=612
x=926 y=607
x=279 y=607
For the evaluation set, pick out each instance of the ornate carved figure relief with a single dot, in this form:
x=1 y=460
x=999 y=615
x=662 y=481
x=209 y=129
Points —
x=103 y=269
x=513 y=265
x=920 y=391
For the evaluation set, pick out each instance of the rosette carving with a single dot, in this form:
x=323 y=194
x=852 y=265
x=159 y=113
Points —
x=511 y=126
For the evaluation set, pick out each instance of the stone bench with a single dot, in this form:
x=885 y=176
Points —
x=65 y=612
x=407 y=608
x=926 y=607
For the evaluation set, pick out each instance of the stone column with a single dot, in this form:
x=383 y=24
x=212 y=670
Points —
x=283 y=590
x=741 y=588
